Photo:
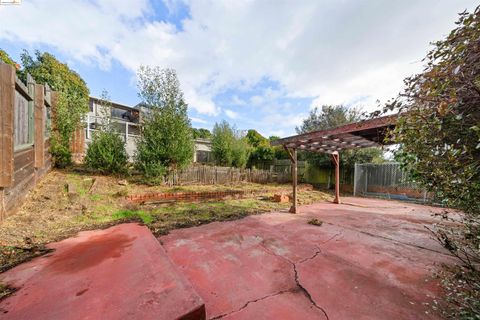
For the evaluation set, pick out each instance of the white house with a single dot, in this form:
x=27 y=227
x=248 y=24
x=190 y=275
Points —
x=127 y=121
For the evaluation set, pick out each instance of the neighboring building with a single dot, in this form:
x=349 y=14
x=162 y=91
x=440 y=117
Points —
x=203 y=151
x=127 y=121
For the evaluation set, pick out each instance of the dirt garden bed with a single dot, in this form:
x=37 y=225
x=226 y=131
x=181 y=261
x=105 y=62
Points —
x=66 y=202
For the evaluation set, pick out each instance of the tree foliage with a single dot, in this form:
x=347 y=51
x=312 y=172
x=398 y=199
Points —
x=261 y=150
x=6 y=58
x=72 y=102
x=439 y=137
x=201 y=133
x=330 y=117
x=228 y=147
x=279 y=151
x=166 y=140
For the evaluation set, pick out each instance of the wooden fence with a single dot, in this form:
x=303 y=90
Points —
x=224 y=175
x=25 y=113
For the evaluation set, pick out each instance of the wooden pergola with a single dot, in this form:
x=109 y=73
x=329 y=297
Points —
x=362 y=134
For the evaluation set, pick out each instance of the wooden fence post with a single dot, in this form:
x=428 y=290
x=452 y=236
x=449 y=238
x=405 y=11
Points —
x=7 y=106
x=39 y=136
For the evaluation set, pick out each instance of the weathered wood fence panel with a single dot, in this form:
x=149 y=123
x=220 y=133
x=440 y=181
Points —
x=224 y=175
x=24 y=137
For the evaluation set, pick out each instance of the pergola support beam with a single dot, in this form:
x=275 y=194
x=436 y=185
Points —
x=292 y=153
x=336 y=161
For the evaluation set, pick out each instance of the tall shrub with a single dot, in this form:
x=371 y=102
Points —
x=223 y=139
x=229 y=148
x=240 y=152
x=72 y=101
x=166 y=141
x=439 y=137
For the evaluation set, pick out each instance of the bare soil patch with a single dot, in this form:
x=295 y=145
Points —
x=67 y=201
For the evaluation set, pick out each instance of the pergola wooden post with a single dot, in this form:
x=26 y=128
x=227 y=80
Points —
x=292 y=153
x=336 y=161
x=362 y=134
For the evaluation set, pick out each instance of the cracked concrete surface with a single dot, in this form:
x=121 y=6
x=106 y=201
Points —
x=297 y=281
x=372 y=261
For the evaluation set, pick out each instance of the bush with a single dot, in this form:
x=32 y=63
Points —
x=223 y=138
x=439 y=137
x=240 y=153
x=152 y=170
x=61 y=154
x=107 y=153
x=228 y=148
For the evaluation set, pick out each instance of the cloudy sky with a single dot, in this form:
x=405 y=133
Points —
x=258 y=64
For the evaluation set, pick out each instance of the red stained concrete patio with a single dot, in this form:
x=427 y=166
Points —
x=118 y=273
x=371 y=259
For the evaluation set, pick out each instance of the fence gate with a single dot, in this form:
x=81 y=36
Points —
x=386 y=180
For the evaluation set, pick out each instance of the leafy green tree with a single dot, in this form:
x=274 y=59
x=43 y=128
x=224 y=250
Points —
x=254 y=138
x=223 y=139
x=166 y=141
x=6 y=58
x=228 y=147
x=279 y=151
x=439 y=137
x=240 y=152
x=330 y=117
x=107 y=151
x=72 y=102
x=261 y=150
x=201 y=133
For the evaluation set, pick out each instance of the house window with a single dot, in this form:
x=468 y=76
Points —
x=23 y=122
x=203 y=156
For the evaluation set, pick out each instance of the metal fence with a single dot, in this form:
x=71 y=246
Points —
x=386 y=180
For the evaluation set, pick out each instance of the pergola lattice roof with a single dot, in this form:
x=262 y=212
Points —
x=362 y=134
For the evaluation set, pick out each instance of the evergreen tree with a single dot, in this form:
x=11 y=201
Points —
x=166 y=141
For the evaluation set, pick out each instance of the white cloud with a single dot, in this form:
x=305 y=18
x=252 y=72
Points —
x=237 y=101
x=331 y=51
x=198 y=120
x=231 y=114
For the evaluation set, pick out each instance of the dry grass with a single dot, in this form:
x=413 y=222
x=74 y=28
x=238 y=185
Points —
x=50 y=213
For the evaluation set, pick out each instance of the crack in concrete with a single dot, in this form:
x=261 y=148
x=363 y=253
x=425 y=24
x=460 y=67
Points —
x=297 y=280
x=397 y=242
x=306 y=293
x=333 y=237
x=309 y=258
x=249 y=302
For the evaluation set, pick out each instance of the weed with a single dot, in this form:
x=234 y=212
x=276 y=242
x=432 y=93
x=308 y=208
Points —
x=129 y=214
x=5 y=291
x=315 y=222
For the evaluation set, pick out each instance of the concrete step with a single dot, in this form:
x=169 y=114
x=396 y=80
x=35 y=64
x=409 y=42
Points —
x=118 y=273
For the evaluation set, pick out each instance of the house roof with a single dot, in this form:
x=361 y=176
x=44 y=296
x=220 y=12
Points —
x=116 y=104
x=362 y=134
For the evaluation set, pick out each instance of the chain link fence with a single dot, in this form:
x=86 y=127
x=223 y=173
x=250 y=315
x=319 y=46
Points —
x=386 y=180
